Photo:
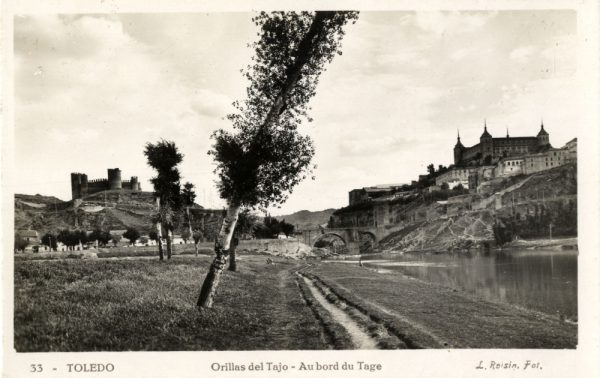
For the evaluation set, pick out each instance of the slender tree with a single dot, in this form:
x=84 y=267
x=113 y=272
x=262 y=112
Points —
x=164 y=157
x=265 y=157
x=243 y=228
x=188 y=196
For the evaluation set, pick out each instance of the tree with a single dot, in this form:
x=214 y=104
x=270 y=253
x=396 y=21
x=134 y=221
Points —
x=103 y=237
x=20 y=242
x=273 y=226
x=188 y=196
x=186 y=235
x=431 y=169
x=264 y=158
x=243 y=228
x=71 y=238
x=197 y=236
x=153 y=235
x=444 y=186
x=286 y=228
x=115 y=239
x=164 y=157
x=132 y=234
x=50 y=241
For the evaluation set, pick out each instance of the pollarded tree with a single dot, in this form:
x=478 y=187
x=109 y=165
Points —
x=188 y=195
x=265 y=157
x=164 y=157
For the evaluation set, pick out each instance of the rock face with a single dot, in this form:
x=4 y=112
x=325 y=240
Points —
x=462 y=232
x=520 y=206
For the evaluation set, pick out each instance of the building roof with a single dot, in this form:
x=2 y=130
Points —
x=28 y=233
x=485 y=133
x=542 y=131
x=377 y=190
x=515 y=138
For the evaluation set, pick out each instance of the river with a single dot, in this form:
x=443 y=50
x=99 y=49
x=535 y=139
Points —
x=543 y=280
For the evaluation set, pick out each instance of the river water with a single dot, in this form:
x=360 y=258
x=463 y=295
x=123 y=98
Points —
x=543 y=280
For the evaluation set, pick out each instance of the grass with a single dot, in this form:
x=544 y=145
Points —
x=427 y=315
x=141 y=304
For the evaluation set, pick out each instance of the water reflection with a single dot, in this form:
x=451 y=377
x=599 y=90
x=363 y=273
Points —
x=543 y=280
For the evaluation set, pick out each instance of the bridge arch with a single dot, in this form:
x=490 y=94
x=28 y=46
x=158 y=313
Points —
x=367 y=241
x=329 y=234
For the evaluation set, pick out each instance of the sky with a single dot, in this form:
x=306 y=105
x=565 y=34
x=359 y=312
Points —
x=92 y=90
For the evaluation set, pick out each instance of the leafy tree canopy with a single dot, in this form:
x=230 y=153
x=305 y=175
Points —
x=265 y=157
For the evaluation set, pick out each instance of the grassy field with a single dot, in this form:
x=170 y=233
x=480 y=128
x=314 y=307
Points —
x=142 y=304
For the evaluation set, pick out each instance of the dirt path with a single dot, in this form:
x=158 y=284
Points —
x=359 y=337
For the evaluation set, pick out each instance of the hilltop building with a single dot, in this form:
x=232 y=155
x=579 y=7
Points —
x=489 y=159
x=490 y=150
x=368 y=193
x=81 y=186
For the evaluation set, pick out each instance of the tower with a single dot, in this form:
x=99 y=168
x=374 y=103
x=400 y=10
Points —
x=114 y=179
x=135 y=185
x=458 y=150
x=543 y=137
x=79 y=185
x=487 y=148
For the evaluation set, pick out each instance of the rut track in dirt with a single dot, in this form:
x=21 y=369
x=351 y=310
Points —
x=346 y=325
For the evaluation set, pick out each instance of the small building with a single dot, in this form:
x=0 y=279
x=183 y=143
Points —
x=455 y=176
x=31 y=236
x=552 y=158
x=510 y=167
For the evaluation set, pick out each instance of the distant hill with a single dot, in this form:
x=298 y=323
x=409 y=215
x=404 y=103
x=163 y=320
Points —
x=305 y=219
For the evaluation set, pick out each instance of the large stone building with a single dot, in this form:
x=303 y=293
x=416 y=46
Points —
x=490 y=150
x=81 y=187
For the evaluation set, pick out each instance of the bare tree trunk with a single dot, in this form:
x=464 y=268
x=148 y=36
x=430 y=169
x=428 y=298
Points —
x=161 y=255
x=232 y=262
x=169 y=243
x=191 y=231
x=222 y=245
x=159 y=241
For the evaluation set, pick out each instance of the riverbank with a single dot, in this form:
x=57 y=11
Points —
x=565 y=243
x=144 y=304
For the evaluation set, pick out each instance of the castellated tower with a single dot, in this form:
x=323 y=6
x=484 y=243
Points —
x=79 y=185
x=135 y=185
x=114 y=179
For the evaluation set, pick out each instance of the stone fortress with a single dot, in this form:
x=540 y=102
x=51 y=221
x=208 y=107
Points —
x=489 y=159
x=504 y=156
x=81 y=186
x=490 y=150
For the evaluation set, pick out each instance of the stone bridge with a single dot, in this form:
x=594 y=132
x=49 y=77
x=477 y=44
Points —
x=356 y=239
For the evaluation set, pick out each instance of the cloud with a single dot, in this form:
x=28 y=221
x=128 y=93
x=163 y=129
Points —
x=440 y=23
x=522 y=53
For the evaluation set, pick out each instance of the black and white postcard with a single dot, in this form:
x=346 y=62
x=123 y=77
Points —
x=265 y=189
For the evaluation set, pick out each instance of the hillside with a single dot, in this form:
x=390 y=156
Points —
x=305 y=219
x=523 y=206
x=108 y=210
